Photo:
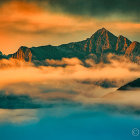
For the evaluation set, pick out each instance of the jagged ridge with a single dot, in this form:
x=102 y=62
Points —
x=97 y=47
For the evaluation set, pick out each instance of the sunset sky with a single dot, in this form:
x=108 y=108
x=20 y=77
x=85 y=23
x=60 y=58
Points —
x=42 y=22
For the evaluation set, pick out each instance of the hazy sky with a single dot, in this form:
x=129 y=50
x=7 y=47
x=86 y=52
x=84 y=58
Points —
x=41 y=22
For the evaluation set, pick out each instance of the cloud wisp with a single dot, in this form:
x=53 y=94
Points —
x=13 y=70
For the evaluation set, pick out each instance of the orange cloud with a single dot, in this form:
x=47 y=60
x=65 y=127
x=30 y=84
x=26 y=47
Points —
x=28 y=24
x=120 y=69
x=64 y=61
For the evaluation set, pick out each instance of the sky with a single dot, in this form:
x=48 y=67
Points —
x=42 y=22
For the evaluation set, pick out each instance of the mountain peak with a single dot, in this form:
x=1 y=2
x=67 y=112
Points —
x=102 y=30
x=102 y=41
x=23 y=53
x=133 y=49
x=122 y=44
x=121 y=36
x=103 y=33
x=23 y=48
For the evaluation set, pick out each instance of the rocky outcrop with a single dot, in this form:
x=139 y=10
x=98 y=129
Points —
x=23 y=53
x=133 y=51
x=122 y=44
x=2 y=56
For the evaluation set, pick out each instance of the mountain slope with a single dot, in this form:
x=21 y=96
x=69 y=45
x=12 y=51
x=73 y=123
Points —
x=131 y=85
x=122 y=44
x=100 y=42
x=2 y=56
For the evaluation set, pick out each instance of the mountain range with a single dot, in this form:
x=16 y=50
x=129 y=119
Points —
x=97 y=47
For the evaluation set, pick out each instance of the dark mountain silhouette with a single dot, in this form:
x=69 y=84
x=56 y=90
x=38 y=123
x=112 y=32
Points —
x=97 y=47
x=131 y=85
x=2 y=56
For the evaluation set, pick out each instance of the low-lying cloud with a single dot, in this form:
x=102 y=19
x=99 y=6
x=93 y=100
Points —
x=119 y=68
x=69 y=78
x=18 y=116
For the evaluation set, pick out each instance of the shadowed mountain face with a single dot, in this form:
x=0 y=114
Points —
x=132 y=85
x=96 y=47
x=2 y=56
x=133 y=52
x=122 y=44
